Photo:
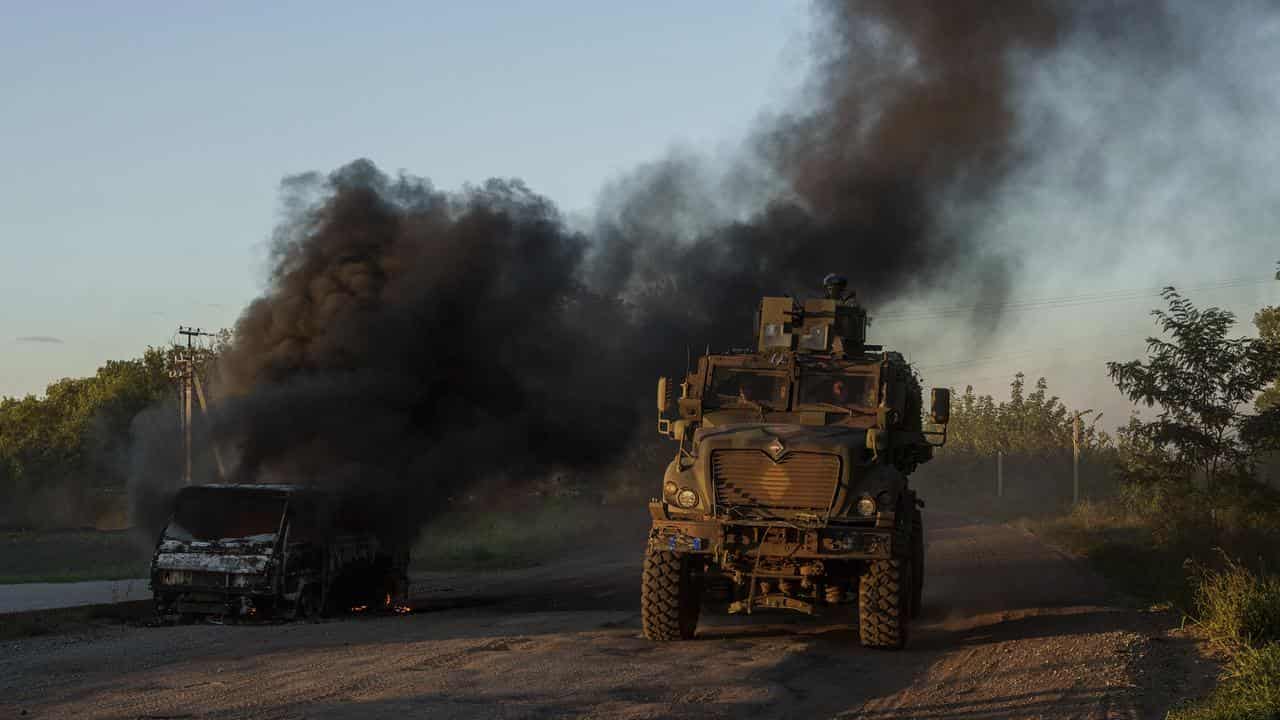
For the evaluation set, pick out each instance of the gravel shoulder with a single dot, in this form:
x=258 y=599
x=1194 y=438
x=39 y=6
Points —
x=1012 y=628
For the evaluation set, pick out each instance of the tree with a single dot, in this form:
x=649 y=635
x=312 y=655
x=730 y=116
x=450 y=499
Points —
x=1262 y=431
x=78 y=433
x=1036 y=424
x=1201 y=380
x=1267 y=320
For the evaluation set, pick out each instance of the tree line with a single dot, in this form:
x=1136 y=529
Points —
x=62 y=452
x=1216 y=401
x=1214 y=412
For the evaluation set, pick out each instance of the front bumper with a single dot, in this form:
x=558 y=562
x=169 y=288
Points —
x=218 y=593
x=210 y=593
x=770 y=539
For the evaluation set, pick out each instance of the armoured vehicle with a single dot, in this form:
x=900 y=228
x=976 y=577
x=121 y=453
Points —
x=789 y=488
x=262 y=551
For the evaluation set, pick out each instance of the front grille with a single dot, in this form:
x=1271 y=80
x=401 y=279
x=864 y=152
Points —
x=189 y=578
x=208 y=579
x=799 y=481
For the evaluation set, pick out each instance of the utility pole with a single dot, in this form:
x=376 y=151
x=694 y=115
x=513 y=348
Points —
x=1075 y=460
x=1075 y=456
x=185 y=373
x=1000 y=473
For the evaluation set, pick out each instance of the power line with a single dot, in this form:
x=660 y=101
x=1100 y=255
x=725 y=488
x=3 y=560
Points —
x=1107 y=296
x=1075 y=343
x=1078 y=342
x=1122 y=295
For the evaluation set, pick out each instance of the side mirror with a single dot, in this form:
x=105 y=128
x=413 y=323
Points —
x=940 y=406
x=664 y=395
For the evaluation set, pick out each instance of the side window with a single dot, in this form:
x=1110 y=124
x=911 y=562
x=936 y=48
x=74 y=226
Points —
x=896 y=394
x=351 y=514
x=304 y=525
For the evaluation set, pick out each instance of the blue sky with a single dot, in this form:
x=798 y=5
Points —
x=143 y=143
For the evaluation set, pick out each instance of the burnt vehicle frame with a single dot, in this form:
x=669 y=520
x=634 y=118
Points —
x=272 y=552
x=795 y=500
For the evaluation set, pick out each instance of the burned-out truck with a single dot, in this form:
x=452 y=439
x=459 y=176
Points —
x=789 y=489
x=272 y=551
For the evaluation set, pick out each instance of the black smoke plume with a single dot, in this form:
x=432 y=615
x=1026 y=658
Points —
x=411 y=340
x=912 y=118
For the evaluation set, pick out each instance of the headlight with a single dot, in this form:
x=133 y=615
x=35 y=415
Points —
x=687 y=498
x=669 y=488
x=866 y=506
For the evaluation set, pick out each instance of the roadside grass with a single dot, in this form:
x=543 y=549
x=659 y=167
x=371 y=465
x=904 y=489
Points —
x=1122 y=549
x=1249 y=691
x=70 y=556
x=1197 y=567
x=1235 y=605
x=1241 y=611
x=476 y=538
x=15 y=626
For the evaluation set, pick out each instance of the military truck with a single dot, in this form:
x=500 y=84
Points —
x=789 y=488
x=272 y=551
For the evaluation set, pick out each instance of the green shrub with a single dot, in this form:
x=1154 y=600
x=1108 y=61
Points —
x=1250 y=690
x=1237 y=606
x=72 y=556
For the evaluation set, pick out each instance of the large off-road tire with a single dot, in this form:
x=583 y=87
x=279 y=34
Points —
x=670 y=600
x=308 y=606
x=917 y=562
x=884 y=603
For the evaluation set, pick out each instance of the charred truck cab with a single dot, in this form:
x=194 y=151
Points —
x=789 y=489
x=265 y=551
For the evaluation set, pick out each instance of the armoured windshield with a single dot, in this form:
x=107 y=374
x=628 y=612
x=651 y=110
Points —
x=219 y=514
x=848 y=391
x=738 y=387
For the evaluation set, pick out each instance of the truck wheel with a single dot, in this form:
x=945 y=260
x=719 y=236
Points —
x=669 y=597
x=884 y=597
x=917 y=563
x=308 y=604
x=164 y=609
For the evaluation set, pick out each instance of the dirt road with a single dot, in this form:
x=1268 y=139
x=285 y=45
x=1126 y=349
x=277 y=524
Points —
x=1011 y=629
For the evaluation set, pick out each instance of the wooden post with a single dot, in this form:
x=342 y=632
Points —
x=186 y=372
x=999 y=473
x=186 y=424
x=1075 y=460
